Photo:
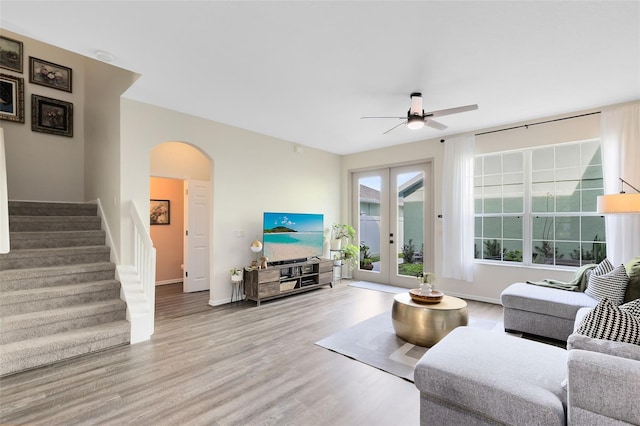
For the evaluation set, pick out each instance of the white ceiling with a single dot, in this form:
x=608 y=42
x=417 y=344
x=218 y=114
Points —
x=307 y=71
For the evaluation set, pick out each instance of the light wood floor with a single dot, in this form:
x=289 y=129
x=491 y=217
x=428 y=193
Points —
x=230 y=365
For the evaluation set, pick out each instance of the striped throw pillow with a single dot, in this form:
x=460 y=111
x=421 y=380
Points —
x=611 y=285
x=603 y=267
x=609 y=322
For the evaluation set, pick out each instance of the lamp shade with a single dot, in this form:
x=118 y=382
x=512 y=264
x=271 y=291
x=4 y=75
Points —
x=619 y=203
x=256 y=246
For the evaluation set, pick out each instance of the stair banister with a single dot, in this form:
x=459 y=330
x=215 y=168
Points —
x=144 y=255
x=4 y=199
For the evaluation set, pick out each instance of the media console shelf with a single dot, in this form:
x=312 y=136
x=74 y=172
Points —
x=289 y=278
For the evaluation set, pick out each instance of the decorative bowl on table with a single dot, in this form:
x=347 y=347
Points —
x=421 y=296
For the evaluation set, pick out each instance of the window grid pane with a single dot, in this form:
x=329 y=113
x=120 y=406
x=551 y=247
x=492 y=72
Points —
x=561 y=187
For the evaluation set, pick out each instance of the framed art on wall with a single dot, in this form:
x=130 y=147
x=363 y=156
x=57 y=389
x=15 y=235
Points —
x=11 y=98
x=10 y=54
x=49 y=74
x=51 y=116
x=159 y=212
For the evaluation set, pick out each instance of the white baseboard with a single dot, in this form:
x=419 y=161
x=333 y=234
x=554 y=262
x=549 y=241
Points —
x=165 y=282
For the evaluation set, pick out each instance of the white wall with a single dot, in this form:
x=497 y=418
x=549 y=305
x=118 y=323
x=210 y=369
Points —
x=41 y=166
x=251 y=173
x=104 y=86
x=489 y=280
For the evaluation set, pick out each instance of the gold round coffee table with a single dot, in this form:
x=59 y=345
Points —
x=426 y=324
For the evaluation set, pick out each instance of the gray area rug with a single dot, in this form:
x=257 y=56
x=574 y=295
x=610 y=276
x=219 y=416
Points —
x=375 y=343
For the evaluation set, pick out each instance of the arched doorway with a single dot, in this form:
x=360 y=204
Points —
x=180 y=182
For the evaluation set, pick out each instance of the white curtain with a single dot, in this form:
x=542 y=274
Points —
x=457 y=208
x=620 y=138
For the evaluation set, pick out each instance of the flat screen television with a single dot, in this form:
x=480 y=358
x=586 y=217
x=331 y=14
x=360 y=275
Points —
x=291 y=237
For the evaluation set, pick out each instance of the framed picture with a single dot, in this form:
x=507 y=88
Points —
x=10 y=54
x=159 y=212
x=49 y=74
x=11 y=98
x=51 y=116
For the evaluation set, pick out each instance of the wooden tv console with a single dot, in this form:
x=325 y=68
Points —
x=289 y=278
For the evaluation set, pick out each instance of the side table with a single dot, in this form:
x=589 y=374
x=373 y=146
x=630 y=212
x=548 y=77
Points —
x=237 y=289
x=425 y=324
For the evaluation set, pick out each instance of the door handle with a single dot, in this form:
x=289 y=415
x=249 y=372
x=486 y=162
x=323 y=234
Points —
x=390 y=241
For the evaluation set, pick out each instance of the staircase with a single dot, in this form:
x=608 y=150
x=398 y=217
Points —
x=58 y=295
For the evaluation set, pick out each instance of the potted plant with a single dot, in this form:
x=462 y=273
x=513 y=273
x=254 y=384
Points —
x=349 y=255
x=365 y=257
x=340 y=232
x=236 y=275
x=427 y=281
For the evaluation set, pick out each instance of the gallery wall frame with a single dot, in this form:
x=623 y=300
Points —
x=48 y=74
x=160 y=212
x=52 y=116
x=11 y=57
x=12 y=98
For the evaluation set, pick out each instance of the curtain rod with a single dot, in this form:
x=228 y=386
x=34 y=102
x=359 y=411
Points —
x=539 y=122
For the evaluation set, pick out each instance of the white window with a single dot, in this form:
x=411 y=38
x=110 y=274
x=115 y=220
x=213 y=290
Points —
x=538 y=205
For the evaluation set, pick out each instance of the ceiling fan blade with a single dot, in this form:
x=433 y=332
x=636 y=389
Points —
x=394 y=127
x=432 y=123
x=399 y=118
x=450 y=111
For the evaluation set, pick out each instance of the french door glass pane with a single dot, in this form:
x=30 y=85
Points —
x=369 y=226
x=410 y=226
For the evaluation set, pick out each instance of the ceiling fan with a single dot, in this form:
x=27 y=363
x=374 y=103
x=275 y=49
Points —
x=416 y=117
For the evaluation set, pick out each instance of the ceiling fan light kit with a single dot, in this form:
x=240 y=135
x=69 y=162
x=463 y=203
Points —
x=417 y=118
x=415 y=122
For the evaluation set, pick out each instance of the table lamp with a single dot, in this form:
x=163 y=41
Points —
x=256 y=247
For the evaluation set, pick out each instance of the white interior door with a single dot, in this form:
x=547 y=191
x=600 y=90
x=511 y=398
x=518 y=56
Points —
x=393 y=215
x=197 y=219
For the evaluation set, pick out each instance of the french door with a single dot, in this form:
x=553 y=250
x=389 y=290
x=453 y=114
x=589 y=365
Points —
x=393 y=214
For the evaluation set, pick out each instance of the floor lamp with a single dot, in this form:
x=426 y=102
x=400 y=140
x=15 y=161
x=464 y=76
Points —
x=620 y=203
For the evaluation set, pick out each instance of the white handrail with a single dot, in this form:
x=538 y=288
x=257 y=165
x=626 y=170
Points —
x=144 y=258
x=4 y=199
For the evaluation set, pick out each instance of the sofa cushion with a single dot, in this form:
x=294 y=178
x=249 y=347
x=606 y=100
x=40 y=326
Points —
x=609 y=322
x=609 y=347
x=611 y=285
x=504 y=378
x=633 y=271
x=545 y=300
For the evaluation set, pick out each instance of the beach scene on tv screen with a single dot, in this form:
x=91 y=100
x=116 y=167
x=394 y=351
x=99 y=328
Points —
x=289 y=236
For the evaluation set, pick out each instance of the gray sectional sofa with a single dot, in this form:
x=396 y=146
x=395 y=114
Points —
x=479 y=377
x=551 y=312
x=543 y=311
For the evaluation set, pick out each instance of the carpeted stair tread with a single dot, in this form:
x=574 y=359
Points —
x=53 y=223
x=31 y=208
x=37 y=324
x=23 y=355
x=28 y=258
x=59 y=298
x=30 y=300
x=21 y=279
x=56 y=239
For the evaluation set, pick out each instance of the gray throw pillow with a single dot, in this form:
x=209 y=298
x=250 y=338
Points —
x=609 y=322
x=611 y=285
x=633 y=270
